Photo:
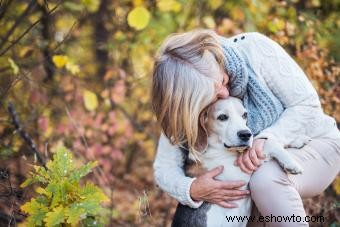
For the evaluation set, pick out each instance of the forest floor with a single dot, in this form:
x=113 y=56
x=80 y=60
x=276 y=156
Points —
x=137 y=201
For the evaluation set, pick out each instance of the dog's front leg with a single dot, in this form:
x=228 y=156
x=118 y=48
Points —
x=274 y=149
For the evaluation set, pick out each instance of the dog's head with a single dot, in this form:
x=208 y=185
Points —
x=226 y=124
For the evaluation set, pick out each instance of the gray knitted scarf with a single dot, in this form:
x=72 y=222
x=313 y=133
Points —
x=264 y=108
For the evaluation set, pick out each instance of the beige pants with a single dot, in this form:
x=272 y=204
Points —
x=277 y=194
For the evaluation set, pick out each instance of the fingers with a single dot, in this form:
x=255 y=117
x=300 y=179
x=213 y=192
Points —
x=227 y=204
x=260 y=154
x=230 y=184
x=236 y=198
x=235 y=193
x=253 y=157
x=247 y=162
x=259 y=144
x=241 y=164
x=215 y=172
x=228 y=195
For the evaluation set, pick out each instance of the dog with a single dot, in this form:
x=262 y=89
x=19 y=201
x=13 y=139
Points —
x=228 y=134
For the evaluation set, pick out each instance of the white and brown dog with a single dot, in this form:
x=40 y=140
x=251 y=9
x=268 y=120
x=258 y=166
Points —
x=228 y=134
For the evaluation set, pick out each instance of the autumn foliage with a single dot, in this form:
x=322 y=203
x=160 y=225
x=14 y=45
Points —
x=61 y=199
x=78 y=72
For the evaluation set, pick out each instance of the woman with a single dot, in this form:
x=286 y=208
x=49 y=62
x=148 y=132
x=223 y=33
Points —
x=194 y=69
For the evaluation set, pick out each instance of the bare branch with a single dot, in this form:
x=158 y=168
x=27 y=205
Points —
x=24 y=135
x=3 y=7
x=30 y=6
x=27 y=30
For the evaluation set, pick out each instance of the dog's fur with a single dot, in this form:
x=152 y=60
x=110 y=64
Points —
x=228 y=134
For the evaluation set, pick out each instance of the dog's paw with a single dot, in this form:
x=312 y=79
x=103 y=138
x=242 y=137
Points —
x=291 y=167
x=299 y=142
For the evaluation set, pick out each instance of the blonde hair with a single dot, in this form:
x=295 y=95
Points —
x=182 y=85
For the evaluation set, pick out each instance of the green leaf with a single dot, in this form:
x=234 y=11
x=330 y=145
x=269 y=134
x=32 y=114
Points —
x=62 y=163
x=75 y=213
x=91 y=5
x=55 y=217
x=90 y=206
x=62 y=200
x=93 y=192
x=42 y=200
x=77 y=174
x=54 y=189
x=91 y=222
x=37 y=210
x=169 y=5
x=6 y=152
x=14 y=66
x=73 y=6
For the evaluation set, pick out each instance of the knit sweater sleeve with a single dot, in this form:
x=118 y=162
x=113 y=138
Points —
x=169 y=173
x=283 y=76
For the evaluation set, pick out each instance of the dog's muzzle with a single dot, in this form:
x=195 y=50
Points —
x=239 y=149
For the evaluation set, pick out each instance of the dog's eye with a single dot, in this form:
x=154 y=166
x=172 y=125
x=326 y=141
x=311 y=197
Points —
x=245 y=115
x=222 y=117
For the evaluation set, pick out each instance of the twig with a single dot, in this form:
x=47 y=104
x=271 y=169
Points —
x=27 y=30
x=46 y=4
x=66 y=36
x=4 y=7
x=24 y=135
x=74 y=123
x=98 y=171
x=17 y=22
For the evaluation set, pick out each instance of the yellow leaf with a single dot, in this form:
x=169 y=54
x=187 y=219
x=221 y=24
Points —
x=119 y=35
x=55 y=217
x=25 y=51
x=138 y=18
x=91 y=5
x=137 y=2
x=14 y=66
x=73 y=68
x=214 y=4
x=169 y=5
x=138 y=136
x=336 y=185
x=59 y=60
x=145 y=116
x=42 y=191
x=90 y=100
x=280 y=24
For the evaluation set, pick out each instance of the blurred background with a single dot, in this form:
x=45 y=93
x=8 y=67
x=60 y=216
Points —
x=78 y=72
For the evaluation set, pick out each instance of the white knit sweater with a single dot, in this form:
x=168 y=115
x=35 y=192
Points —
x=302 y=117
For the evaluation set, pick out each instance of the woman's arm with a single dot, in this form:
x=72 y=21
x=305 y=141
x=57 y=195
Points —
x=303 y=116
x=303 y=113
x=169 y=175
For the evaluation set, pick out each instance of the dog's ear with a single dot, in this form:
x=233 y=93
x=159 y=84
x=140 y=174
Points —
x=202 y=134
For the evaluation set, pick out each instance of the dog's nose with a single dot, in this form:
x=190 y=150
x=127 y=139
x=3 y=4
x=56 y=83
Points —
x=244 y=135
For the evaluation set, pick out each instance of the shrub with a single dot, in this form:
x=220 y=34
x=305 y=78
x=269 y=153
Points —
x=61 y=200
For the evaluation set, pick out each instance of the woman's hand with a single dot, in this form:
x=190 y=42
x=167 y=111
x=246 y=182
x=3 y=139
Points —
x=206 y=188
x=250 y=160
